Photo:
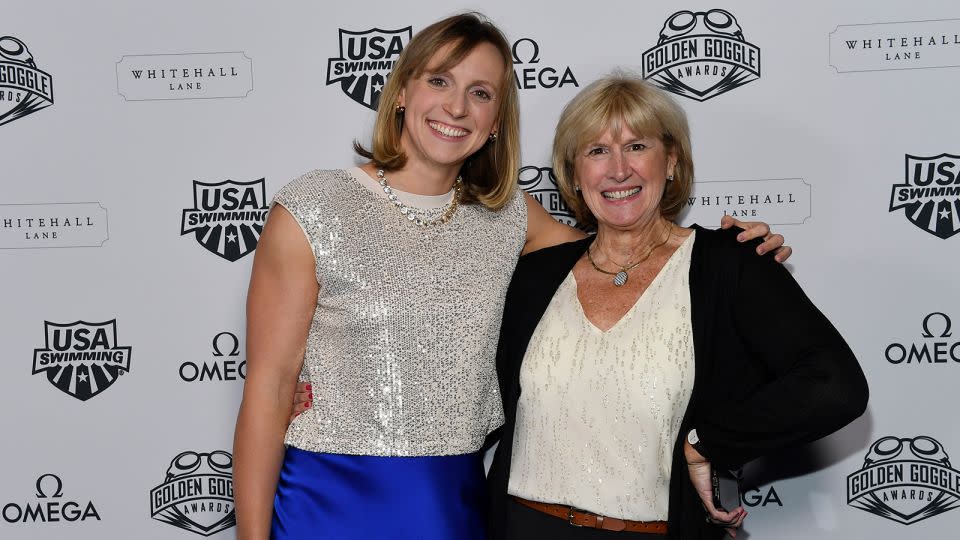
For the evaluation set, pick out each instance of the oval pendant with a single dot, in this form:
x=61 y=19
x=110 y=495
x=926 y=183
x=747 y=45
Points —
x=620 y=278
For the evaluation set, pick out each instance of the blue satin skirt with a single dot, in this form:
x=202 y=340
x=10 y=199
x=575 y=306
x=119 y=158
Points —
x=371 y=497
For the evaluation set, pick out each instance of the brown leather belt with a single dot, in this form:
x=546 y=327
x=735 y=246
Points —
x=582 y=518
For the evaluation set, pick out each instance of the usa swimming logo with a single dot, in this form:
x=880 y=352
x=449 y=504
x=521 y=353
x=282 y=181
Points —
x=700 y=55
x=82 y=359
x=930 y=194
x=366 y=60
x=227 y=217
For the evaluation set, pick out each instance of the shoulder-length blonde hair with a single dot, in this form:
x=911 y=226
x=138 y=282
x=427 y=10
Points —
x=617 y=101
x=489 y=175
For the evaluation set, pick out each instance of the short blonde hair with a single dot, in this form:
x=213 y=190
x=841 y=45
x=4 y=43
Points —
x=489 y=175
x=614 y=102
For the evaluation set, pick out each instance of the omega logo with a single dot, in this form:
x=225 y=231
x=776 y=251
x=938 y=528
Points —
x=225 y=366
x=526 y=52
x=51 y=510
x=934 y=349
x=754 y=497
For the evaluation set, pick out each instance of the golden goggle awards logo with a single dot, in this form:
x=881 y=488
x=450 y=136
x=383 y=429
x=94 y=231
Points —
x=197 y=493
x=541 y=183
x=700 y=55
x=905 y=479
x=24 y=88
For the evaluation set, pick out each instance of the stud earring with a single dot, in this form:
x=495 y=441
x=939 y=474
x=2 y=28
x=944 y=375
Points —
x=401 y=109
x=670 y=178
x=576 y=188
x=493 y=137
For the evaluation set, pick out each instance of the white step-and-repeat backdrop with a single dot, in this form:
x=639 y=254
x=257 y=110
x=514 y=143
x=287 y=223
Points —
x=142 y=142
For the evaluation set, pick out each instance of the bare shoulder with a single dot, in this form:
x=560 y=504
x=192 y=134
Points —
x=544 y=231
x=283 y=245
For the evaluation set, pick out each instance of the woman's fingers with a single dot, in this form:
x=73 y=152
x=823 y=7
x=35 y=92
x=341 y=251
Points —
x=783 y=253
x=302 y=399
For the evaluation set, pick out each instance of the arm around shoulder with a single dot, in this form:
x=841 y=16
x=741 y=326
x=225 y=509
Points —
x=544 y=231
x=280 y=304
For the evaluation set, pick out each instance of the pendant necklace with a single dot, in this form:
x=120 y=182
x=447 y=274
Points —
x=620 y=278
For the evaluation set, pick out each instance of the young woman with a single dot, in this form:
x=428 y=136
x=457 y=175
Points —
x=383 y=287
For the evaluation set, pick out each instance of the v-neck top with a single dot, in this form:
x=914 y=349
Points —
x=599 y=411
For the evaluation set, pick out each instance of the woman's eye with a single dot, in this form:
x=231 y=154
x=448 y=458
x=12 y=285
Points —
x=635 y=147
x=439 y=82
x=596 y=151
x=481 y=94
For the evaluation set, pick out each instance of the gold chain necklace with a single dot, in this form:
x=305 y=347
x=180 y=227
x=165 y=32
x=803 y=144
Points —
x=411 y=213
x=620 y=278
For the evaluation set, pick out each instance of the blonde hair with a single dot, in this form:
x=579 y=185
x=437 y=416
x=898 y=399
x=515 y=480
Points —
x=489 y=175
x=617 y=101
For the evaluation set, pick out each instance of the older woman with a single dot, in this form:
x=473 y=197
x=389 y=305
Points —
x=630 y=358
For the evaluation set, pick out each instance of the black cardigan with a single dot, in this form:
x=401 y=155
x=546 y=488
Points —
x=771 y=371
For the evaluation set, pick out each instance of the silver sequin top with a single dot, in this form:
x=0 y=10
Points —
x=401 y=350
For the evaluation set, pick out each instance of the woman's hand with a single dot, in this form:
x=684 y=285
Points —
x=758 y=229
x=302 y=399
x=701 y=476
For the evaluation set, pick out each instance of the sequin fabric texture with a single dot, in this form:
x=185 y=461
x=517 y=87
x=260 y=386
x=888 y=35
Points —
x=401 y=350
x=599 y=412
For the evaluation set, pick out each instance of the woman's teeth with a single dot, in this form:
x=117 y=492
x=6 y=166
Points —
x=448 y=130
x=621 y=194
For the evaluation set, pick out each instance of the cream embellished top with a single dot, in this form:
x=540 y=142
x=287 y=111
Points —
x=599 y=412
x=402 y=345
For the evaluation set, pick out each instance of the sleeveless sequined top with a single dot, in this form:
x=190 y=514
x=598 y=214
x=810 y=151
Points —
x=401 y=350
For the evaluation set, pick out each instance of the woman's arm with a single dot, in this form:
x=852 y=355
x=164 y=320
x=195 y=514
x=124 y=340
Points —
x=543 y=231
x=280 y=305
x=814 y=384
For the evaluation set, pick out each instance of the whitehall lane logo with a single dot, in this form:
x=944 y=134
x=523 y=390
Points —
x=24 y=88
x=82 y=359
x=530 y=74
x=938 y=345
x=541 y=183
x=895 y=45
x=225 y=363
x=50 y=506
x=366 y=60
x=197 y=493
x=149 y=77
x=777 y=201
x=700 y=55
x=54 y=225
x=930 y=194
x=227 y=217
x=905 y=480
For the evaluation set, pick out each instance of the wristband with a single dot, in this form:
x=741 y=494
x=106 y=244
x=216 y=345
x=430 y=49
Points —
x=695 y=442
